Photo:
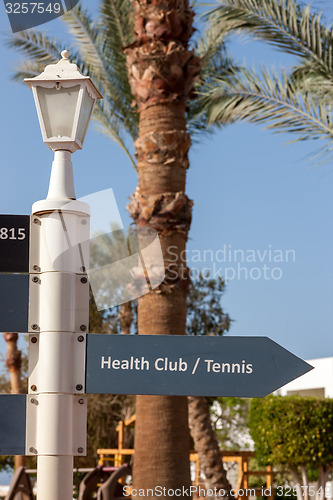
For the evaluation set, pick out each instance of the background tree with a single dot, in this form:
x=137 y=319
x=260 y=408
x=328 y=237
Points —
x=295 y=432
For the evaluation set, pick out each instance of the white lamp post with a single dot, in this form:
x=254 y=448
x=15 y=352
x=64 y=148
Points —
x=64 y=100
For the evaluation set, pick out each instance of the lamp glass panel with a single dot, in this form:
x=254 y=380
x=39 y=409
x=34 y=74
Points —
x=86 y=109
x=58 y=110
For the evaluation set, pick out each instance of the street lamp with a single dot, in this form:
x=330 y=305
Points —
x=64 y=100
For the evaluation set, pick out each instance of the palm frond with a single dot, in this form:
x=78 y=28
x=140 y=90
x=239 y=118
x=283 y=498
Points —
x=110 y=126
x=211 y=48
x=117 y=22
x=99 y=54
x=39 y=50
x=198 y=121
x=212 y=40
x=86 y=36
x=313 y=81
x=266 y=97
x=101 y=49
x=286 y=24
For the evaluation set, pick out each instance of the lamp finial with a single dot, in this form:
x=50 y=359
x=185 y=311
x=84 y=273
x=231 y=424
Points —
x=65 y=54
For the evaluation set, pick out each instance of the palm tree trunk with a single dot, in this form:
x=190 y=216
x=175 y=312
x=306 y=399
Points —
x=14 y=363
x=207 y=447
x=126 y=317
x=161 y=430
x=162 y=72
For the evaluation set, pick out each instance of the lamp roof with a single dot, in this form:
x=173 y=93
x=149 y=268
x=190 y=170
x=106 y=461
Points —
x=63 y=70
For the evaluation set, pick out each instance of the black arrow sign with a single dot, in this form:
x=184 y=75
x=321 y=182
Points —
x=188 y=366
x=14 y=304
x=12 y=424
x=14 y=243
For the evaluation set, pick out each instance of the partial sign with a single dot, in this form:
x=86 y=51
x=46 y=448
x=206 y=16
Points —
x=12 y=424
x=188 y=366
x=14 y=243
x=14 y=303
x=25 y=15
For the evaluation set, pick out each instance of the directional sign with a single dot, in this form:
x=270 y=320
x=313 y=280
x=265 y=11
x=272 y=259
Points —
x=188 y=366
x=12 y=424
x=14 y=243
x=14 y=303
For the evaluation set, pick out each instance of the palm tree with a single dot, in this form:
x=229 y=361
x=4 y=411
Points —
x=162 y=72
x=14 y=365
x=159 y=70
x=298 y=101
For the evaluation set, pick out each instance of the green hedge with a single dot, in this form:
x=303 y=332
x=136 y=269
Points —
x=292 y=430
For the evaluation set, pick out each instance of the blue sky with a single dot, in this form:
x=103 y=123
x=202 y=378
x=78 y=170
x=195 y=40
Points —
x=252 y=193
